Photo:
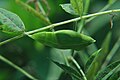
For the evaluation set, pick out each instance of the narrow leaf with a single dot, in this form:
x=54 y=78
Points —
x=115 y=76
x=99 y=59
x=77 y=6
x=12 y=23
x=106 y=72
x=92 y=57
x=112 y=52
x=68 y=69
x=106 y=43
x=68 y=8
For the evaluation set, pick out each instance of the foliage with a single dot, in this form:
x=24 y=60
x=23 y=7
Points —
x=59 y=51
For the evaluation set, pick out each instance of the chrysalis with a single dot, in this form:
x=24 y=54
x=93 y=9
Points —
x=63 y=39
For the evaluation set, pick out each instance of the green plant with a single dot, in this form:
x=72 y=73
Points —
x=75 y=39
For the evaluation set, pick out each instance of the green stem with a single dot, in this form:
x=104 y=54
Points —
x=11 y=39
x=79 y=68
x=43 y=11
x=87 y=3
x=103 y=9
x=60 y=23
x=72 y=20
x=41 y=8
x=17 y=67
x=33 y=11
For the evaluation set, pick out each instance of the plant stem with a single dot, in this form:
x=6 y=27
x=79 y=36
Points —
x=103 y=9
x=33 y=11
x=17 y=67
x=72 y=20
x=79 y=68
x=58 y=24
x=11 y=39
x=87 y=3
x=41 y=8
x=43 y=11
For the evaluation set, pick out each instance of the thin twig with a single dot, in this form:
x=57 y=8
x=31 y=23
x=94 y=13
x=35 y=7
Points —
x=33 y=11
x=72 y=20
x=103 y=9
x=79 y=68
x=42 y=10
x=82 y=23
x=17 y=67
x=11 y=39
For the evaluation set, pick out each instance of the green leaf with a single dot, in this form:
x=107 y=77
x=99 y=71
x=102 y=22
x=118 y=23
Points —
x=12 y=23
x=105 y=49
x=106 y=43
x=104 y=74
x=69 y=70
x=68 y=8
x=112 y=52
x=99 y=59
x=115 y=76
x=92 y=57
x=77 y=6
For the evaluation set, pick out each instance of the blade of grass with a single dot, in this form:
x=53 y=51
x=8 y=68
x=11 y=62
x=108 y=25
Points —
x=91 y=58
x=106 y=72
x=115 y=76
x=98 y=61
x=17 y=68
x=111 y=72
x=112 y=52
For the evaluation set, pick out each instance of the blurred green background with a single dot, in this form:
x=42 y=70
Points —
x=34 y=57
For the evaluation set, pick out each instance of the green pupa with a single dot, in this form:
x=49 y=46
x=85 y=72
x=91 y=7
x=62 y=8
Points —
x=63 y=39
